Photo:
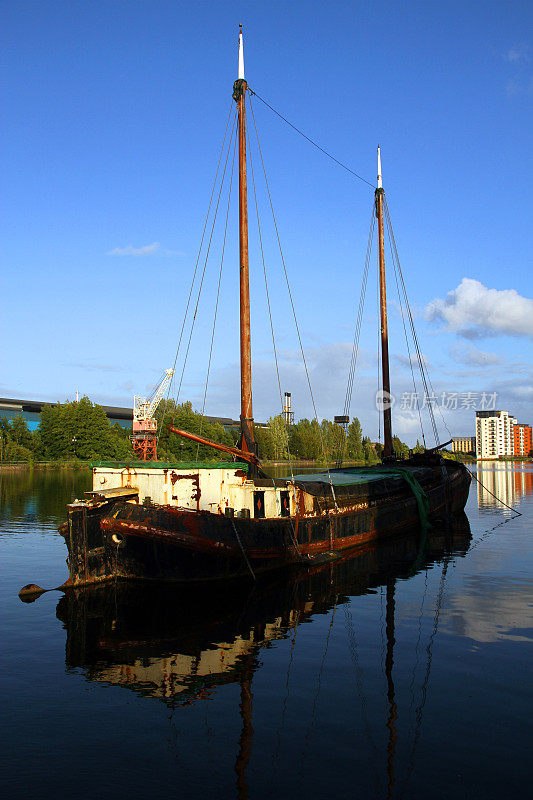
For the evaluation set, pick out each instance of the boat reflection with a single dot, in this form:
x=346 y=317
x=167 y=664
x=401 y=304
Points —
x=178 y=645
x=506 y=482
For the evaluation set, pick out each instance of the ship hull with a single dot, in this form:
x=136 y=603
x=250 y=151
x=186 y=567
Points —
x=122 y=540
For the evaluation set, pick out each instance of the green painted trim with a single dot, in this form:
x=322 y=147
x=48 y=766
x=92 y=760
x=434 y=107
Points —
x=170 y=464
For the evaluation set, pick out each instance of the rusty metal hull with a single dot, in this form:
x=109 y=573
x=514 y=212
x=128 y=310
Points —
x=152 y=542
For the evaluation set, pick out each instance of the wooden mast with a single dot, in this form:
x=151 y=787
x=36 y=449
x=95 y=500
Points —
x=388 y=450
x=246 y=442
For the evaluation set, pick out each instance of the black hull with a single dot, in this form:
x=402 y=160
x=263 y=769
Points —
x=158 y=543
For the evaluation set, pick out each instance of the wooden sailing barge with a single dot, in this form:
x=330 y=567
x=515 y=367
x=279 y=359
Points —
x=205 y=521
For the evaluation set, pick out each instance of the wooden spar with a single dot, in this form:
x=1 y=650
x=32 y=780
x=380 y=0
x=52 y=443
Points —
x=246 y=442
x=250 y=458
x=388 y=449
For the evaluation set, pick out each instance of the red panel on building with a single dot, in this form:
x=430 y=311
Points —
x=523 y=440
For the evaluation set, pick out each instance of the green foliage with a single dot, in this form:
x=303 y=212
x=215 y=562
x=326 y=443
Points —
x=173 y=447
x=17 y=443
x=304 y=440
x=277 y=429
x=354 y=441
x=265 y=444
x=72 y=431
x=369 y=451
x=401 y=449
x=81 y=430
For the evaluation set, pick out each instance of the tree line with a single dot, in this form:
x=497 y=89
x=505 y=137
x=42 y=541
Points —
x=82 y=431
x=310 y=440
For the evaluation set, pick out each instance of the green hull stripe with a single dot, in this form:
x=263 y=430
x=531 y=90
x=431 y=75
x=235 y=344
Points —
x=170 y=465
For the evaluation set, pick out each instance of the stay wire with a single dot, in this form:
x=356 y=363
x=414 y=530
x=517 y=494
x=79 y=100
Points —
x=336 y=160
x=326 y=459
x=357 y=334
x=422 y=368
x=411 y=323
x=407 y=341
x=205 y=264
x=218 y=293
x=274 y=348
x=286 y=427
x=196 y=265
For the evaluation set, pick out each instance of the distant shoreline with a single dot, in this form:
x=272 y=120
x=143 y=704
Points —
x=15 y=466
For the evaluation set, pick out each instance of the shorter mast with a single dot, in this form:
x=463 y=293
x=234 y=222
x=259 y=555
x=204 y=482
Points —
x=388 y=450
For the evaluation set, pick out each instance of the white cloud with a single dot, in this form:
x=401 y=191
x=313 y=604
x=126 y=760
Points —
x=472 y=310
x=413 y=360
x=513 y=87
x=517 y=54
x=472 y=356
x=145 y=250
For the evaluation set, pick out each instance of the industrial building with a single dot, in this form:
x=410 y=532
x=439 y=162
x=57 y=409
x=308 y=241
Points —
x=30 y=410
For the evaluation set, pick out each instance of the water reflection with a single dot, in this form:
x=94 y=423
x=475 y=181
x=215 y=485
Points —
x=505 y=482
x=31 y=495
x=180 y=646
x=176 y=644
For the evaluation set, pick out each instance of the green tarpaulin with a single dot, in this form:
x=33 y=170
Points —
x=352 y=477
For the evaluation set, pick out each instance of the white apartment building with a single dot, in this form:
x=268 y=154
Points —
x=494 y=434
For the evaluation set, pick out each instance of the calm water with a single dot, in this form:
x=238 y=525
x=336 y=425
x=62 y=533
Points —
x=403 y=672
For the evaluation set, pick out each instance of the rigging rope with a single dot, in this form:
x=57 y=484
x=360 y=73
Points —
x=205 y=263
x=196 y=265
x=357 y=334
x=286 y=425
x=407 y=342
x=326 y=459
x=336 y=160
x=218 y=294
x=411 y=322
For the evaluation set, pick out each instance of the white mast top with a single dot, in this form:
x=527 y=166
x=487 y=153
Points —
x=380 y=184
x=241 y=55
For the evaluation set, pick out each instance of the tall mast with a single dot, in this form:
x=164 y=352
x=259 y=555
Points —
x=247 y=427
x=388 y=449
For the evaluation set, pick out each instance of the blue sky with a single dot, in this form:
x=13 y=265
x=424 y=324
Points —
x=113 y=119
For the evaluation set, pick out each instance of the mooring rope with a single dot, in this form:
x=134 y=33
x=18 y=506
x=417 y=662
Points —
x=243 y=550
